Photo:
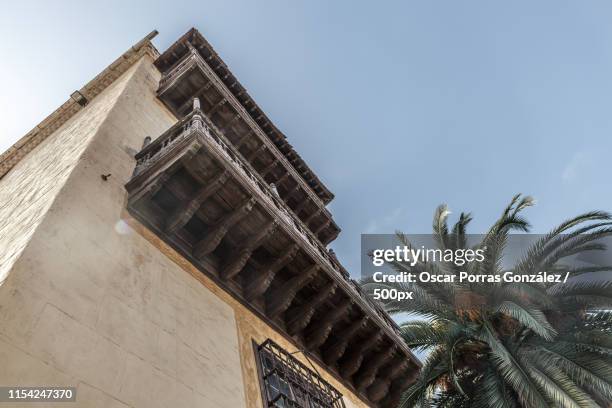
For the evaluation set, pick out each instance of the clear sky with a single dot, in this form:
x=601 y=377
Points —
x=398 y=106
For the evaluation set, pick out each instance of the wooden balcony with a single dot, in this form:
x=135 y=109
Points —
x=276 y=162
x=194 y=190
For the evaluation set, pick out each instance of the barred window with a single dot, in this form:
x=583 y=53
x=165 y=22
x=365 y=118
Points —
x=287 y=383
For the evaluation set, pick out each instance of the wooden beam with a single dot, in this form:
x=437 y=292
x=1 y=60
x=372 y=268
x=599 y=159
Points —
x=333 y=236
x=292 y=190
x=180 y=194
x=322 y=227
x=352 y=360
x=397 y=389
x=191 y=154
x=298 y=208
x=216 y=107
x=229 y=124
x=181 y=216
x=252 y=155
x=282 y=178
x=264 y=277
x=321 y=329
x=243 y=140
x=281 y=298
x=299 y=318
x=218 y=231
x=264 y=172
x=238 y=259
x=367 y=373
x=380 y=387
x=150 y=189
x=199 y=92
x=312 y=216
x=335 y=350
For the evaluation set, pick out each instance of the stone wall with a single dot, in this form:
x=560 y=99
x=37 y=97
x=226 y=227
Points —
x=91 y=298
x=27 y=192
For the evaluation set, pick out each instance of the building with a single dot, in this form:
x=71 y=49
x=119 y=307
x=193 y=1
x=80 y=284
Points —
x=163 y=245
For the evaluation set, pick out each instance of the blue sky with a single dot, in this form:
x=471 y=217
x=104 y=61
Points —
x=398 y=106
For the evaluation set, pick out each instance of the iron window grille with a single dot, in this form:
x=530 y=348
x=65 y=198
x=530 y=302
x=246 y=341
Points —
x=287 y=383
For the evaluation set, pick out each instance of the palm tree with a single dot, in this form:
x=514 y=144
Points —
x=511 y=344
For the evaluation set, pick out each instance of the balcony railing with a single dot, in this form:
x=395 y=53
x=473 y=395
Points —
x=193 y=60
x=285 y=278
x=196 y=123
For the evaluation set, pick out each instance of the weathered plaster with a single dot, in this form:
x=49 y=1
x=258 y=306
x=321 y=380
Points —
x=89 y=301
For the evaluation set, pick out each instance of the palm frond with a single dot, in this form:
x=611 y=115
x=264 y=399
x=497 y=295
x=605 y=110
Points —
x=440 y=226
x=422 y=334
x=532 y=319
x=424 y=387
x=493 y=392
x=558 y=385
x=511 y=371
x=525 y=345
x=586 y=372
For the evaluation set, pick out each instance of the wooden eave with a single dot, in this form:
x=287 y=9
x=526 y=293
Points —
x=190 y=78
x=197 y=193
x=195 y=39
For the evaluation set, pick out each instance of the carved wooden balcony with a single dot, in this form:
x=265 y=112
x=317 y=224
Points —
x=191 y=69
x=194 y=190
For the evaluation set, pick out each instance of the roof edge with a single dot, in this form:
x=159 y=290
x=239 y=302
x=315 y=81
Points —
x=77 y=101
x=234 y=86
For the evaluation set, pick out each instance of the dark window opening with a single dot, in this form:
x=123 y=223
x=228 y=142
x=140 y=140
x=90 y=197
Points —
x=287 y=383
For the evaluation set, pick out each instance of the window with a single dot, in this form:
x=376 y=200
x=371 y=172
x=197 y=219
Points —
x=287 y=383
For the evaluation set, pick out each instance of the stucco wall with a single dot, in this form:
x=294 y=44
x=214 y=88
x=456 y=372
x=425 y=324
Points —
x=27 y=191
x=249 y=328
x=91 y=303
x=94 y=300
